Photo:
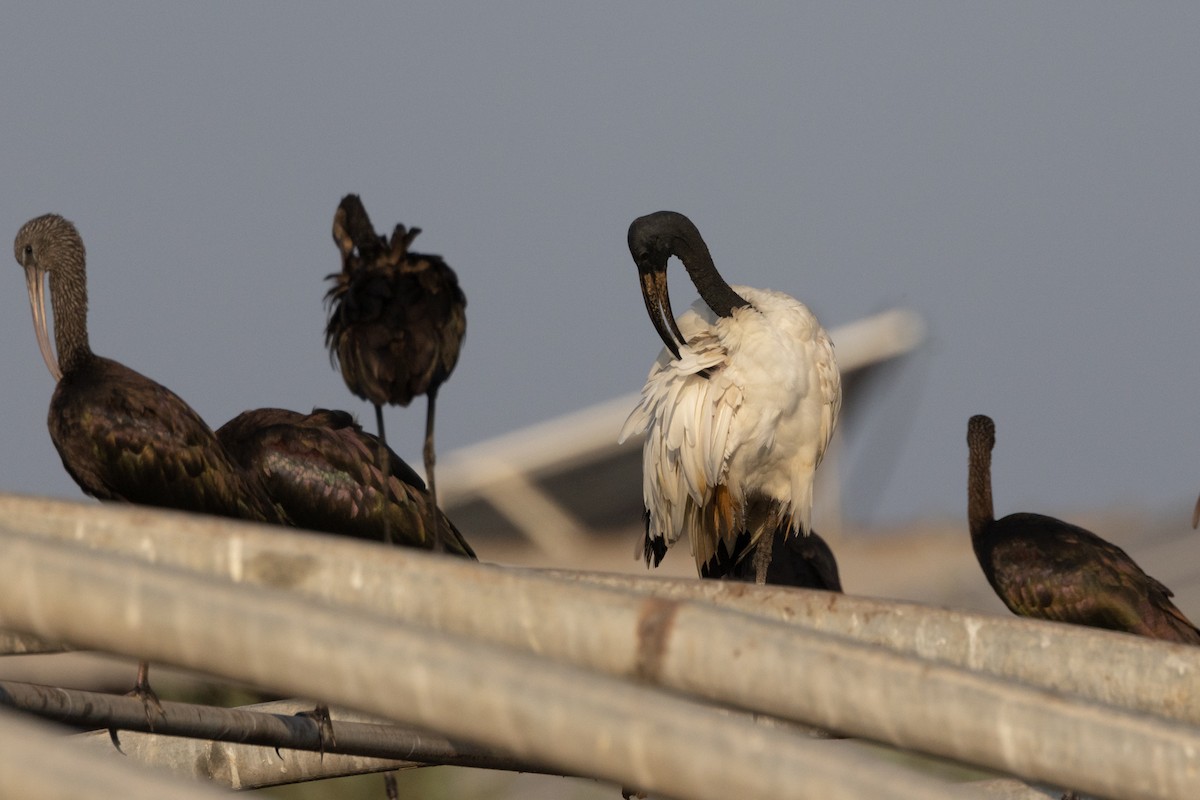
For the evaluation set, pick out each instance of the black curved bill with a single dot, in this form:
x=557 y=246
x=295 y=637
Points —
x=658 y=306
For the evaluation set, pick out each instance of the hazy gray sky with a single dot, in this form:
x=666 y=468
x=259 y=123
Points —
x=1025 y=175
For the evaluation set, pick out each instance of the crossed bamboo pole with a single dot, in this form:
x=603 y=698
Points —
x=963 y=706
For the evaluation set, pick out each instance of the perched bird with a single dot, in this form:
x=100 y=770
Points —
x=324 y=471
x=737 y=410
x=120 y=435
x=396 y=320
x=1049 y=569
x=802 y=561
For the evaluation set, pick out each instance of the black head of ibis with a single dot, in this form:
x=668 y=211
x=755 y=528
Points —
x=652 y=240
x=1045 y=568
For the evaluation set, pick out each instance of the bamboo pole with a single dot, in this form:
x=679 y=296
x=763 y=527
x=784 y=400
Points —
x=566 y=718
x=22 y=644
x=251 y=746
x=266 y=725
x=1139 y=675
x=906 y=701
x=364 y=744
x=1008 y=789
x=249 y=767
x=39 y=762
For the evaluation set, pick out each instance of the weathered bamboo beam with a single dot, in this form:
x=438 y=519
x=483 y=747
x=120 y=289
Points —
x=239 y=765
x=269 y=725
x=1008 y=789
x=569 y=719
x=1138 y=674
x=39 y=762
x=242 y=753
x=22 y=644
x=648 y=639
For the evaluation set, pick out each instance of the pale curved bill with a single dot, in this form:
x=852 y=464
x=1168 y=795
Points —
x=36 y=285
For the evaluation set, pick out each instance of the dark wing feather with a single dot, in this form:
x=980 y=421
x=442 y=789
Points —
x=653 y=548
x=396 y=319
x=797 y=560
x=809 y=562
x=124 y=437
x=1049 y=569
x=322 y=468
x=438 y=314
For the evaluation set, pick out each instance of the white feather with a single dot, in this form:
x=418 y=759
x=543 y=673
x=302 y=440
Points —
x=758 y=422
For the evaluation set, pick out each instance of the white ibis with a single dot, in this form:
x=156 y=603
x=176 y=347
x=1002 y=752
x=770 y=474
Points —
x=737 y=410
x=1045 y=568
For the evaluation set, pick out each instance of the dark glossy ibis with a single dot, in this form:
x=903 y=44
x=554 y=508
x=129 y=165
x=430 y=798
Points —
x=120 y=435
x=806 y=562
x=738 y=409
x=1046 y=568
x=324 y=471
x=396 y=319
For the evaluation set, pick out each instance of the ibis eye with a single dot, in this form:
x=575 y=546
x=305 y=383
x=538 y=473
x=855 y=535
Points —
x=28 y=251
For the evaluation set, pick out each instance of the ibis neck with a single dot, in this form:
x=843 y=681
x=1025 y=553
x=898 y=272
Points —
x=68 y=298
x=979 y=492
x=716 y=293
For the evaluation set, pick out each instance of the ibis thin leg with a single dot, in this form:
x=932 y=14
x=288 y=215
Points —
x=431 y=522
x=385 y=466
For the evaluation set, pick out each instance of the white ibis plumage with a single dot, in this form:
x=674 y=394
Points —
x=737 y=410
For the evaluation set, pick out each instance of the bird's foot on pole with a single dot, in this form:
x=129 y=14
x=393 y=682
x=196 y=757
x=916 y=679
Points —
x=149 y=702
x=320 y=715
x=141 y=690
